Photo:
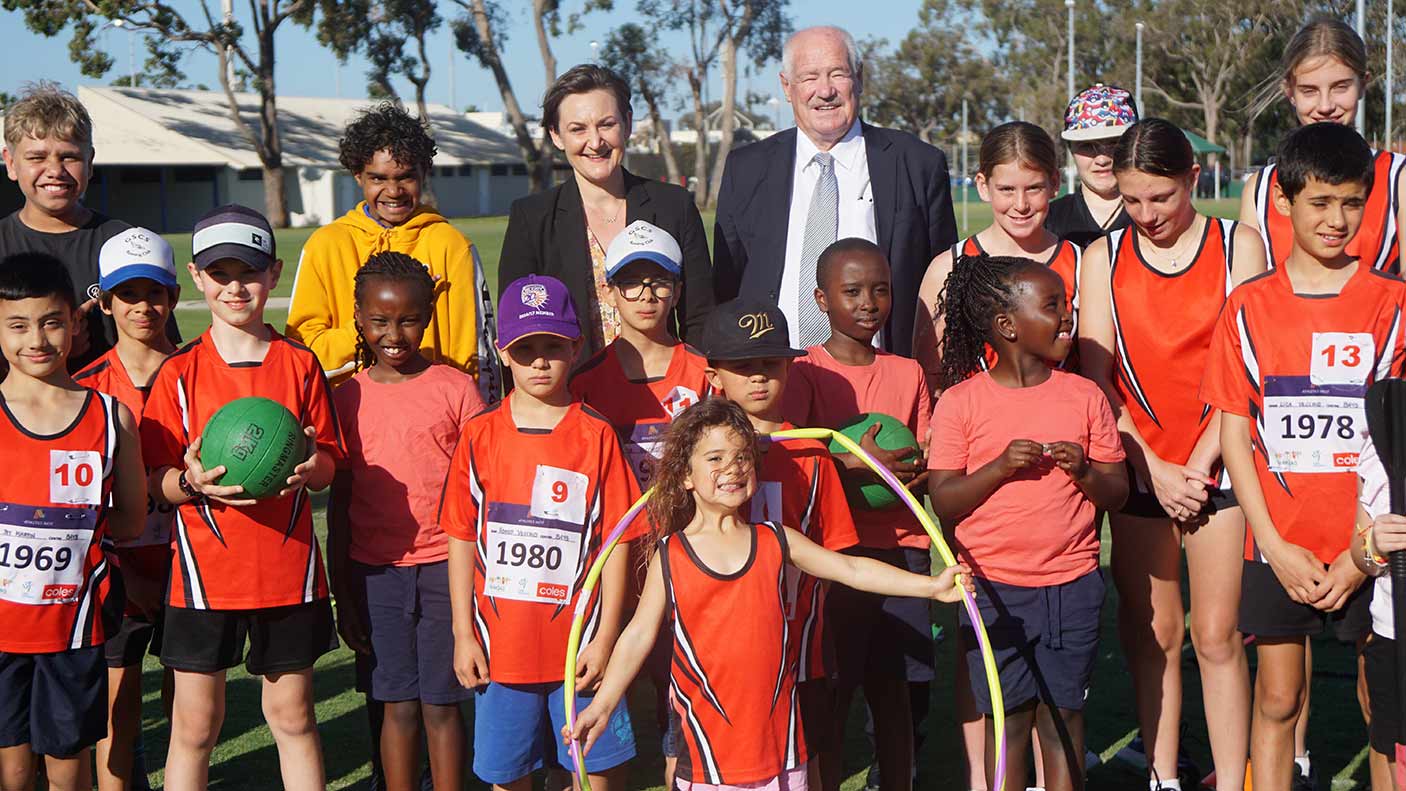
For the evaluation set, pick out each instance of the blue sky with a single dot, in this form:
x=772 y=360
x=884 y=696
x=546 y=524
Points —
x=306 y=69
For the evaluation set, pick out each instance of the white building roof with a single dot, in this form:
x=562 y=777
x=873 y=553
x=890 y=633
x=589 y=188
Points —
x=152 y=126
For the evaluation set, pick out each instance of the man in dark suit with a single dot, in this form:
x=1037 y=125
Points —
x=785 y=198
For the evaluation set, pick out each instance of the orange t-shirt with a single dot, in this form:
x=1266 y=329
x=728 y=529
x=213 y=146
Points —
x=150 y=553
x=247 y=557
x=799 y=486
x=641 y=410
x=400 y=438
x=1037 y=529
x=826 y=393
x=1299 y=367
x=537 y=505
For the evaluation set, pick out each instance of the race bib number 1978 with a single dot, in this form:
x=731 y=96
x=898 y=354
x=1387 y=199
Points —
x=1311 y=428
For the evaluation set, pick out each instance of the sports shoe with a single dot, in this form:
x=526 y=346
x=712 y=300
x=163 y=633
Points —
x=1304 y=782
x=1135 y=753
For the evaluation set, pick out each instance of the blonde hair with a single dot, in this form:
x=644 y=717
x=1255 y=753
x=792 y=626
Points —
x=1022 y=143
x=47 y=110
x=1323 y=36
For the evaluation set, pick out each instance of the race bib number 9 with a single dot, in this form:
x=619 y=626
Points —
x=42 y=552
x=559 y=494
x=1312 y=428
x=529 y=558
x=1342 y=358
x=75 y=477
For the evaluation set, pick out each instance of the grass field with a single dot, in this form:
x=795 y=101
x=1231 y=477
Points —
x=247 y=759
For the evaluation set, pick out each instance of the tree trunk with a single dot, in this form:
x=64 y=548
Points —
x=271 y=150
x=549 y=67
x=700 y=148
x=728 y=52
x=661 y=135
x=490 y=57
x=420 y=81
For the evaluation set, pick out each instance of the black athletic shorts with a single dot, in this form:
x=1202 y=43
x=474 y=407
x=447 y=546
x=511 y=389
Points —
x=128 y=646
x=882 y=634
x=55 y=703
x=281 y=639
x=1142 y=502
x=1267 y=611
x=1380 y=656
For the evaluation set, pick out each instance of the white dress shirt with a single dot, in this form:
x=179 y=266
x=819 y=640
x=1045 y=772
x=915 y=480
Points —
x=856 y=209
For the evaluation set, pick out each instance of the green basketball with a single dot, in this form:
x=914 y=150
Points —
x=258 y=441
x=893 y=435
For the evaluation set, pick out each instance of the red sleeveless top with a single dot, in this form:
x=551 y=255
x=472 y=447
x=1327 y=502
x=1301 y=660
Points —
x=733 y=675
x=1163 y=324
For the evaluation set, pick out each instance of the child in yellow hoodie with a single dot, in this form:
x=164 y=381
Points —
x=389 y=153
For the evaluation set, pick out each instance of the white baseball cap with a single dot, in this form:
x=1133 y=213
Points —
x=134 y=253
x=643 y=241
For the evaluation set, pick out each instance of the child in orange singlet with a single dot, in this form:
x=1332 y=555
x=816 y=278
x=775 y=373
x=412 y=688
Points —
x=1291 y=395
x=1018 y=175
x=1151 y=294
x=137 y=272
x=715 y=576
x=73 y=479
x=1323 y=76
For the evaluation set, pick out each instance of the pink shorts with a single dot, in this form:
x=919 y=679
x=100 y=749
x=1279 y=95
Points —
x=790 y=780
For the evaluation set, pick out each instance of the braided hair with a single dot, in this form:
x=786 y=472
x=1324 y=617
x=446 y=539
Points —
x=978 y=287
x=395 y=267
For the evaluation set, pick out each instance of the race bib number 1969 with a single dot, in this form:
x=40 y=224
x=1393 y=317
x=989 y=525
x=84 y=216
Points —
x=42 y=552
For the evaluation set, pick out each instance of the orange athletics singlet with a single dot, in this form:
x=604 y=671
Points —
x=733 y=675
x=1377 y=242
x=1159 y=356
x=54 y=575
x=1067 y=262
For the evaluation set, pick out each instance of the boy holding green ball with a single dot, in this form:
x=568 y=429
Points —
x=241 y=568
x=880 y=640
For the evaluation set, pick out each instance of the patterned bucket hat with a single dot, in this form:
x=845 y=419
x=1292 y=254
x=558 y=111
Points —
x=1098 y=113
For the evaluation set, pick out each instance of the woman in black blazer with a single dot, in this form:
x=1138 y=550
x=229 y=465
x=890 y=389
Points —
x=565 y=231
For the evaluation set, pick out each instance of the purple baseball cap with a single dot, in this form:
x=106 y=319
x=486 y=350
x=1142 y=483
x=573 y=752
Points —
x=536 y=305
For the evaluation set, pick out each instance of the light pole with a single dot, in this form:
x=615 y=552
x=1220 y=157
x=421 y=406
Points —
x=1390 y=71
x=123 y=24
x=1069 y=86
x=453 y=94
x=595 y=52
x=1137 y=81
x=1362 y=34
x=775 y=105
x=964 y=166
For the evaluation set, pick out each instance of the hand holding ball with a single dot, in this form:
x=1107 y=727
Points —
x=258 y=442
x=893 y=435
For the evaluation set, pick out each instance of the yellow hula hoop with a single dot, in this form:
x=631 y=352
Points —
x=993 y=678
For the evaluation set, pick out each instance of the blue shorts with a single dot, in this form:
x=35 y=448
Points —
x=412 y=633
x=1045 y=641
x=55 y=703
x=886 y=635
x=516 y=726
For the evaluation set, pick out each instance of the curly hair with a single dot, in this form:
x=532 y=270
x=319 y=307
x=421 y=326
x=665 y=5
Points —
x=395 y=267
x=671 y=507
x=386 y=127
x=977 y=288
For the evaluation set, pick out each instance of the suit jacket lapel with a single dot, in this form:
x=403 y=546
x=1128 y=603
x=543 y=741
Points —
x=883 y=184
x=637 y=200
x=774 y=198
x=573 y=246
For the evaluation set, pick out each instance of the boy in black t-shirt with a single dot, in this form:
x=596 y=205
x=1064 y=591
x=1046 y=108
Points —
x=49 y=153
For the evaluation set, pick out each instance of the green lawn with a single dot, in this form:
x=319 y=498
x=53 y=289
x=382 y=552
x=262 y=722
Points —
x=247 y=759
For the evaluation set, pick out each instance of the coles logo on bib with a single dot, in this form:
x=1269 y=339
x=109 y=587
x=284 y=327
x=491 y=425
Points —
x=58 y=592
x=1345 y=460
x=547 y=590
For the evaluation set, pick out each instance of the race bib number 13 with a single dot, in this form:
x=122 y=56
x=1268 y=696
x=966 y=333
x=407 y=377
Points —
x=75 y=477
x=1342 y=358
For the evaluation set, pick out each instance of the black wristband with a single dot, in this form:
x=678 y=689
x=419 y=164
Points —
x=185 y=486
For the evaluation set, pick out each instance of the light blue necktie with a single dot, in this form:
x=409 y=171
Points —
x=822 y=226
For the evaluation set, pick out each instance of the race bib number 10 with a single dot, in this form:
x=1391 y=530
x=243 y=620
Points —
x=75 y=477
